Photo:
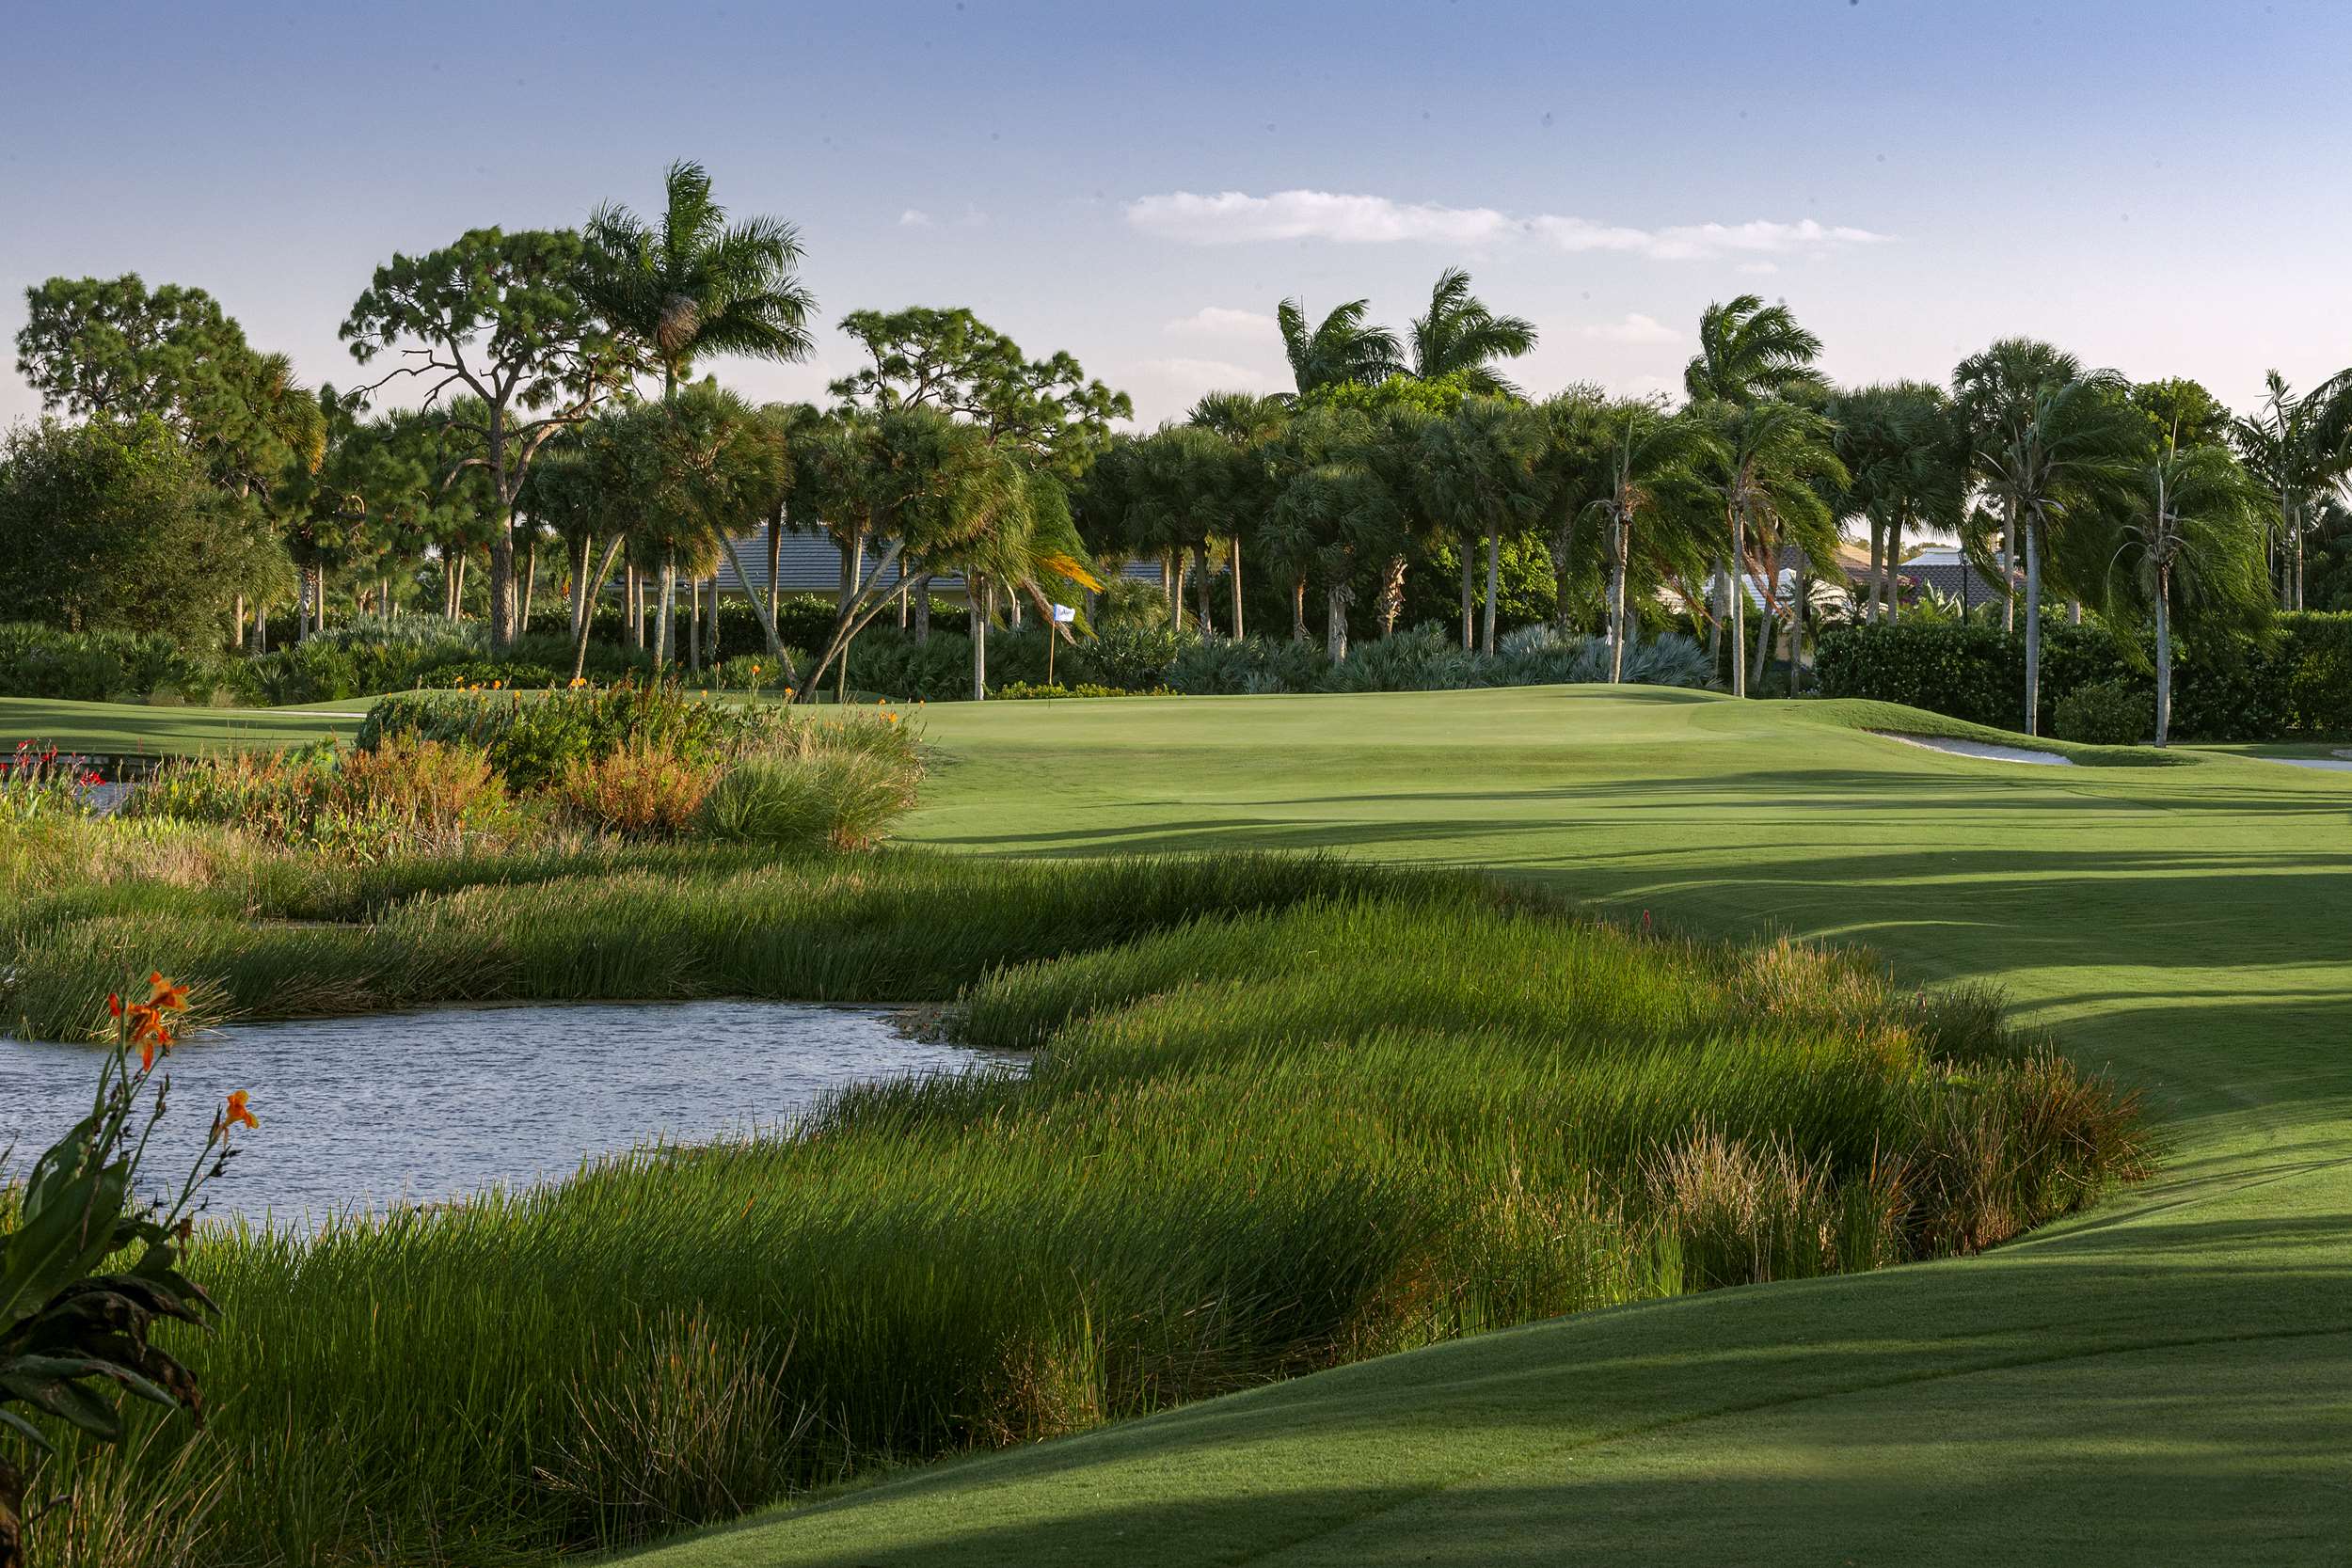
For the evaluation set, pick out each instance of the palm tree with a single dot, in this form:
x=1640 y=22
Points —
x=1902 y=446
x=1765 y=459
x=1029 y=550
x=1995 y=393
x=1476 y=474
x=2298 y=448
x=1345 y=347
x=690 y=284
x=2189 y=521
x=2048 y=453
x=1461 y=339
x=1651 y=454
x=1750 y=351
x=1248 y=423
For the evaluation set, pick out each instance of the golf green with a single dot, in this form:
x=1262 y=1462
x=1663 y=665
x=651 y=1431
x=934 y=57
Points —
x=2167 y=1378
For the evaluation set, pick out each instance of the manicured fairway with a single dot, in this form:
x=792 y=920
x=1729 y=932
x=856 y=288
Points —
x=130 y=729
x=2168 y=1379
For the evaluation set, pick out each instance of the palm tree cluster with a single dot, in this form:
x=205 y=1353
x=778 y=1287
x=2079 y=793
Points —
x=1392 y=453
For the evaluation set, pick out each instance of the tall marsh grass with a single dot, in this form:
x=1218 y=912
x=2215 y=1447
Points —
x=1274 y=1115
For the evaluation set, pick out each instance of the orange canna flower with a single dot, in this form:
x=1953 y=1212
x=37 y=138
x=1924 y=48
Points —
x=114 y=1002
x=237 y=1113
x=170 y=995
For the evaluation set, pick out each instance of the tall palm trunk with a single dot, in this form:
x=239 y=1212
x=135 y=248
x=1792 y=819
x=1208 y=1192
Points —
x=922 y=612
x=1299 y=609
x=1767 y=620
x=2033 y=629
x=2009 y=572
x=665 y=598
x=1796 y=632
x=775 y=561
x=1882 y=589
x=1335 y=621
x=1172 y=591
x=1468 y=622
x=1619 y=550
x=531 y=588
x=2164 y=654
x=1391 y=605
x=1739 y=589
x=982 y=609
x=1494 y=586
x=1724 y=588
x=1232 y=561
x=1200 y=592
x=590 y=591
x=694 y=626
x=1894 y=569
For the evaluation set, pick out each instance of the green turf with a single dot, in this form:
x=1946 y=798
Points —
x=2167 y=1379
x=134 y=729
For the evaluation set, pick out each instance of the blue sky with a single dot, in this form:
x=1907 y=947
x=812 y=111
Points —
x=2157 y=185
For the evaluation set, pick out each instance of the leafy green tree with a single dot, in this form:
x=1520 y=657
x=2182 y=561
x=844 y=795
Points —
x=507 y=319
x=2190 y=522
x=1343 y=346
x=107 y=346
x=112 y=524
x=1046 y=411
x=1574 y=472
x=1334 y=510
x=2181 y=412
x=1460 y=338
x=2053 y=445
x=1750 y=351
x=1030 y=550
x=1766 y=457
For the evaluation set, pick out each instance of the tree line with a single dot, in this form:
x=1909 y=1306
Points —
x=556 y=413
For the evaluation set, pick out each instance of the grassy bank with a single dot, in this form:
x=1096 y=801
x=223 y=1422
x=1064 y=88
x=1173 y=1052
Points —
x=1273 y=1122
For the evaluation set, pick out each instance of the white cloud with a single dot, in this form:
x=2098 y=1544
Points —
x=1758 y=269
x=1635 y=329
x=1231 y=218
x=915 y=217
x=1235 y=217
x=1220 y=321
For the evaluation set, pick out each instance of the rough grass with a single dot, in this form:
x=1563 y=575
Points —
x=1280 y=1115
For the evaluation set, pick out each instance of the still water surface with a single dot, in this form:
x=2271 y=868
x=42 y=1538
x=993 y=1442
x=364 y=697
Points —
x=418 y=1107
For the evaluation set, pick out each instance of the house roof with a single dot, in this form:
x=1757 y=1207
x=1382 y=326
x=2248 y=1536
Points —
x=810 y=563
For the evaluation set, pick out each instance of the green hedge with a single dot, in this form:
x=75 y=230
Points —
x=531 y=739
x=2294 y=683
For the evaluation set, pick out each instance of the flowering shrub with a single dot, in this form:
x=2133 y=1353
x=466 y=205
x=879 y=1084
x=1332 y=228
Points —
x=73 y=1320
x=405 y=795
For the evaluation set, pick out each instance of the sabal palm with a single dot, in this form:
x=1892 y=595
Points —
x=1343 y=347
x=1462 y=339
x=1651 y=457
x=1030 y=550
x=2059 y=452
x=2190 y=527
x=1749 y=351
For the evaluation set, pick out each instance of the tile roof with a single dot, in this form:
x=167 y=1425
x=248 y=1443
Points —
x=811 y=564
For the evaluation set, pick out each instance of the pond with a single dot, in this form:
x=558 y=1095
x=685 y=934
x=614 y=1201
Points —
x=422 y=1107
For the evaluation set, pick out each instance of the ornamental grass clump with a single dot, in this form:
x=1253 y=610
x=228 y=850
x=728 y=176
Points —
x=640 y=791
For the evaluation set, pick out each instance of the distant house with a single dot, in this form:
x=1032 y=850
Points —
x=811 y=564
x=1944 y=568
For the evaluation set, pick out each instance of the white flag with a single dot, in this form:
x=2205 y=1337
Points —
x=1063 y=615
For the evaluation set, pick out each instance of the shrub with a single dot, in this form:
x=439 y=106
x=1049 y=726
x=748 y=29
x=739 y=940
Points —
x=2105 y=713
x=408 y=794
x=637 y=791
x=2292 y=682
x=1134 y=658
x=106 y=666
x=532 y=740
